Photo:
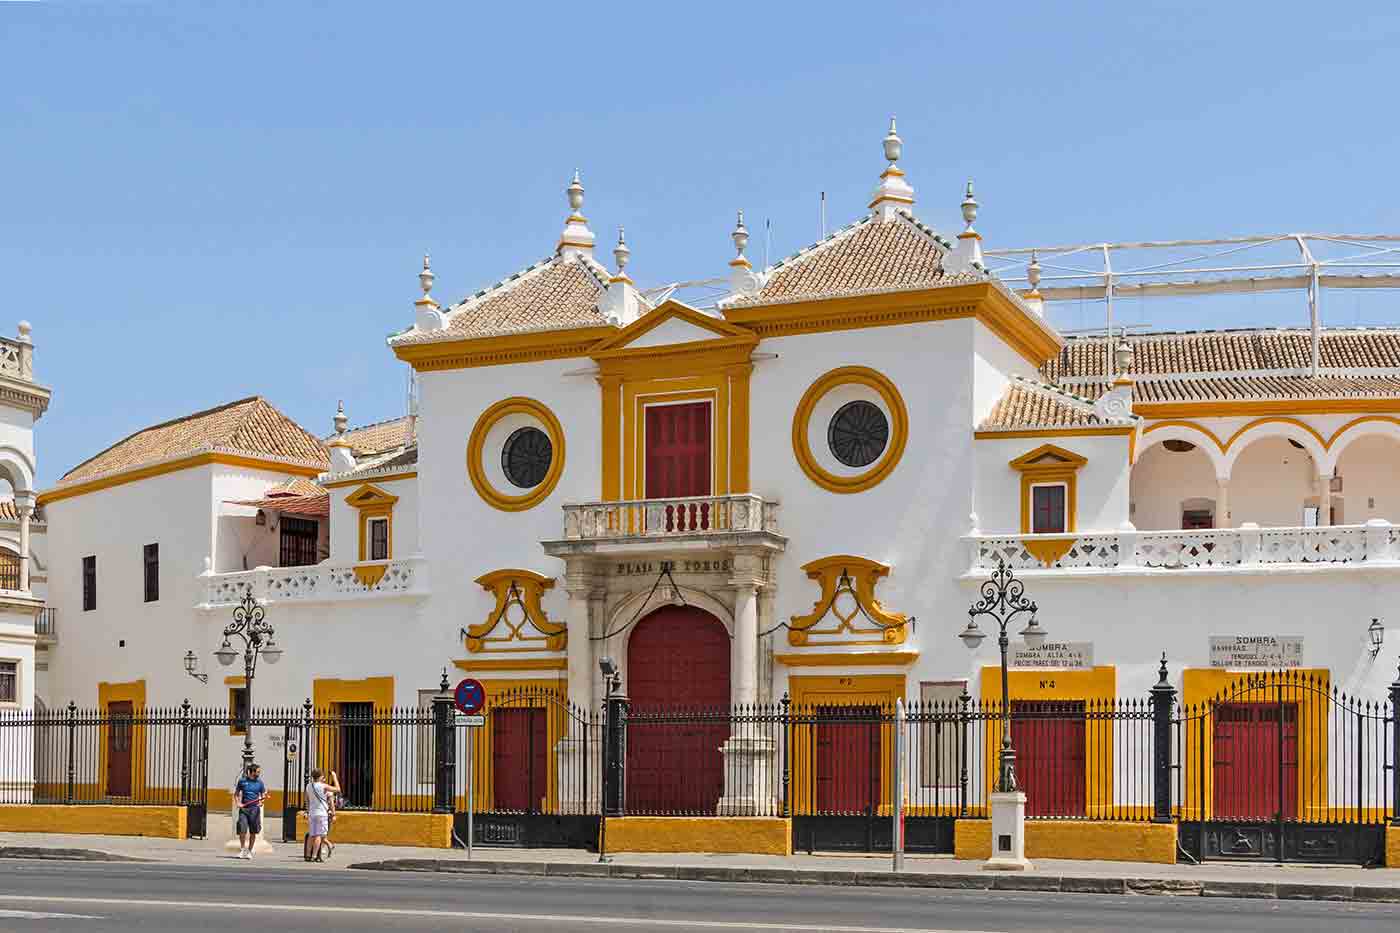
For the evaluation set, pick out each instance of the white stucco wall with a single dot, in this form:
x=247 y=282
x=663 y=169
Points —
x=345 y=519
x=1370 y=473
x=1101 y=484
x=1163 y=479
x=993 y=365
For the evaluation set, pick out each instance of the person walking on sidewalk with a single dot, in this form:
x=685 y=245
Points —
x=249 y=796
x=320 y=806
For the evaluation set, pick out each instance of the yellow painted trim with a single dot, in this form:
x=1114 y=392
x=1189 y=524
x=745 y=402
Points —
x=1392 y=846
x=1126 y=431
x=477 y=472
x=735 y=835
x=235 y=680
x=847 y=658
x=133 y=691
x=532 y=586
x=99 y=819
x=899 y=429
x=1101 y=840
x=329 y=693
x=891 y=628
x=369 y=827
x=369 y=575
x=1200 y=686
x=373 y=502
x=1365 y=419
x=811 y=691
x=636 y=400
x=184 y=463
x=1097 y=685
x=1261 y=421
x=667 y=311
x=1225 y=409
x=1020 y=329
x=1049 y=550
x=390 y=478
x=1063 y=469
x=232 y=726
x=503 y=349
x=471 y=665
x=612 y=436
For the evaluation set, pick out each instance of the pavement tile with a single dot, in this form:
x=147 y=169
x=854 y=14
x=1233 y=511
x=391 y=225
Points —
x=1168 y=886
x=668 y=872
x=709 y=873
x=1214 y=888
x=1386 y=895
x=1094 y=885
x=463 y=867
x=824 y=877
x=578 y=869
x=1025 y=881
x=1315 y=892
x=768 y=875
x=964 y=882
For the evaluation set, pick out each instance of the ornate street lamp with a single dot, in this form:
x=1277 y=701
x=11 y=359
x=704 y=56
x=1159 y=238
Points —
x=192 y=668
x=1376 y=633
x=1003 y=600
x=249 y=625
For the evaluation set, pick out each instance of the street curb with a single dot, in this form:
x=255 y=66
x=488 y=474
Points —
x=66 y=855
x=1033 y=882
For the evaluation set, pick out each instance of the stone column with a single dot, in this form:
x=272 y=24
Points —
x=1324 y=500
x=749 y=766
x=25 y=503
x=578 y=584
x=1222 y=502
x=746 y=579
x=767 y=599
x=579 y=751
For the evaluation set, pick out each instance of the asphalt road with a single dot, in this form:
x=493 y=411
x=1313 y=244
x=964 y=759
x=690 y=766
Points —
x=92 y=897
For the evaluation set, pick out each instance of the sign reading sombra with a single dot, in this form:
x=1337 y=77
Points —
x=1056 y=655
x=1256 y=651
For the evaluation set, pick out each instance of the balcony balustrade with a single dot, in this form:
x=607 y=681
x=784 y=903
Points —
x=670 y=518
x=325 y=582
x=1248 y=547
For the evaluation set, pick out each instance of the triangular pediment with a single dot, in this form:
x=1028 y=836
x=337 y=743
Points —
x=669 y=324
x=1048 y=455
x=368 y=495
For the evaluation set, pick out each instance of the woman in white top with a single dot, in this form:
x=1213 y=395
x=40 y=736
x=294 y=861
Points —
x=320 y=803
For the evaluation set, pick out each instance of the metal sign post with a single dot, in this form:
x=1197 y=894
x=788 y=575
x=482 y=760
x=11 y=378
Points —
x=471 y=791
x=469 y=698
x=897 y=838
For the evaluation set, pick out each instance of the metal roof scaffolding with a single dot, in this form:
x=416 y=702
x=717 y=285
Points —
x=1306 y=262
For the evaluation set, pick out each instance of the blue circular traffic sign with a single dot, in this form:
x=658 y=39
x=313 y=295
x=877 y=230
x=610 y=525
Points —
x=469 y=697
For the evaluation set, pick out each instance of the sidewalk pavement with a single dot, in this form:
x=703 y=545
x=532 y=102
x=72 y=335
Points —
x=1227 y=879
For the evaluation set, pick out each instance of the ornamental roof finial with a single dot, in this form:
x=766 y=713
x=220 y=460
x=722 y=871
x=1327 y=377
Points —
x=894 y=146
x=969 y=208
x=575 y=193
x=621 y=253
x=1033 y=271
x=340 y=420
x=740 y=236
x=425 y=278
x=893 y=194
x=576 y=238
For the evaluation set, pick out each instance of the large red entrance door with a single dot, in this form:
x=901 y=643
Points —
x=519 y=759
x=848 y=760
x=1049 y=740
x=677 y=450
x=677 y=658
x=119 y=736
x=1247 y=757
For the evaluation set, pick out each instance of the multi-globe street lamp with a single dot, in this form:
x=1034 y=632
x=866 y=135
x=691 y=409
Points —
x=257 y=634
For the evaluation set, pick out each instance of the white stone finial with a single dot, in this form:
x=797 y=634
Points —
x=969 y=208
x=576 y=239
x=1033 y=272
x=24 y=329
x=740 y=236
x=340 y=420
x=893 y=194
x=620 y=252
x=425 y=278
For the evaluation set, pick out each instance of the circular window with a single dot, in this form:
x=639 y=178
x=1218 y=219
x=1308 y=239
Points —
x=858 y=433
x=526 y=456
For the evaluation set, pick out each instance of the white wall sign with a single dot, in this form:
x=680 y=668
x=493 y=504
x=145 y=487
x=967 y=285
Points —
x=1256 y=651
x=1058 y=655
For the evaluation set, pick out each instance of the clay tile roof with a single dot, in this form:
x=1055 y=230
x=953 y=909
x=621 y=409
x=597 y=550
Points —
x=249 y=426
x=296 y=496
x=867 y=256
x=9 y=513
x=380 y=436
x=1266 y=363
x=1027 y=405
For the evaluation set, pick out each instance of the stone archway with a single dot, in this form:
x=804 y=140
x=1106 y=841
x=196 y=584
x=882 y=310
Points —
x=678 y=656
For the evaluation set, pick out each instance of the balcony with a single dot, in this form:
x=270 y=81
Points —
x=320 y=583
x=1248 y=548
x=667 y=524
x=46 y=625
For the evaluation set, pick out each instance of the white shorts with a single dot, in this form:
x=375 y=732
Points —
x=317 y=824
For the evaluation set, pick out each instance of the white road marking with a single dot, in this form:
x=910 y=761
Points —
x=469 y=915
x=41 y=915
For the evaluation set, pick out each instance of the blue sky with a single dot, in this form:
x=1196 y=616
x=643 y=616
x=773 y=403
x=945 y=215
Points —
x=208 y=201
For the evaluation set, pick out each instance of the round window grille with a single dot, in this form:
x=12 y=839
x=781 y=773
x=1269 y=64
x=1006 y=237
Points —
x=858 y=433
x=526 y=456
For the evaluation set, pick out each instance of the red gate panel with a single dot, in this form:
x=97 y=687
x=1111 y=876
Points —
x=677 y=657
x=1248 y=745
x=848 y=762
x=677 y=450
x=119 y=738
x=1049 y=740
x=519 y=759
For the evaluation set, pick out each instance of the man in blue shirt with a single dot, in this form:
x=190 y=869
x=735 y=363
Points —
x=248 y=796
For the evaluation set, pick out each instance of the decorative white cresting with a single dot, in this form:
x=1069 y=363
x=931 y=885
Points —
x=893 y=194
x=428 y=316
x=742 y=279
x=576 y=239
x=341 y=453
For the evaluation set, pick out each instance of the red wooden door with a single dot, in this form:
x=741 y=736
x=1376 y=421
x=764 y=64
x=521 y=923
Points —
x=677 y=450
x=1248 y=745
x=848 y=760
x=519 y=759
x=119 y=738
x=677 y=658
x=1049 y=740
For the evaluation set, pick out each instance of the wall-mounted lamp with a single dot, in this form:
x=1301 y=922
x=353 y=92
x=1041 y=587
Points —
x=192 y=668
x=260 y=519
x=1377 y=634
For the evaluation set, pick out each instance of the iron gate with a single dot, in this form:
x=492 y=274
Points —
x=1284 y=767
x=194 y=782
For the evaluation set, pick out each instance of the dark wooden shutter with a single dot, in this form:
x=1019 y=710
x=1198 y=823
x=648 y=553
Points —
x=678 y=450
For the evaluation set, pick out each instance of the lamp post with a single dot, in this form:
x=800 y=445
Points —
x=612 y=792
x=257 y=634
x=1375 y=634
x=1003 y=600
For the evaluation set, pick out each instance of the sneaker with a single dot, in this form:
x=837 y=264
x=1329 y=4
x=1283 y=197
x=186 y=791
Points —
x=242 y=853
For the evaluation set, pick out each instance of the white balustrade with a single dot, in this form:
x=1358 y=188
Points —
x=320 y=582
x=662 y=518
x=16 y=359
x=1376 y=542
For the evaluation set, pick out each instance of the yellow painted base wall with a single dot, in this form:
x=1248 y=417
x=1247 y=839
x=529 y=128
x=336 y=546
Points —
x=1075 y=839
x=220 y=800
x=97 y=819
x=427 y=830
x=1392 y=847
x=748 y=835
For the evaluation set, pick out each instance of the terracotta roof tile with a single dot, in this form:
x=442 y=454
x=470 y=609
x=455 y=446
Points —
x=378 y=437
x=9 y=513
x=868 y=256
x=1026 y=405
x=248 y=426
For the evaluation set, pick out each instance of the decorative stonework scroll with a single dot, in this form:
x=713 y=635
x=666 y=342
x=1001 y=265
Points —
x=517 y=622
x=847 y=609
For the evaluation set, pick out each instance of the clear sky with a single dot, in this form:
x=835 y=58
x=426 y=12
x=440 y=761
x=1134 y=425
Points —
x=206 y=201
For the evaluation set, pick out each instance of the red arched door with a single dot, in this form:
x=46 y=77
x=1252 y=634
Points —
x=677 y=658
